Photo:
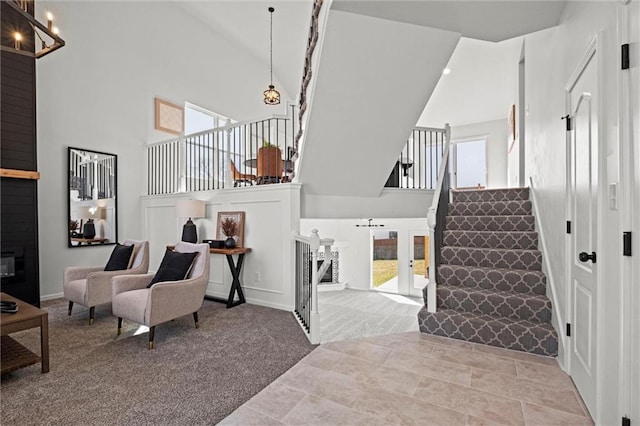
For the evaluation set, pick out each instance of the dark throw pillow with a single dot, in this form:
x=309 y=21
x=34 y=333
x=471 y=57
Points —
x=174 y=267
x=120 y=257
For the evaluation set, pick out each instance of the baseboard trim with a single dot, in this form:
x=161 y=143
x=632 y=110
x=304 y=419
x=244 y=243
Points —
x=46 y=297
x=550 y=281
x=331 y=287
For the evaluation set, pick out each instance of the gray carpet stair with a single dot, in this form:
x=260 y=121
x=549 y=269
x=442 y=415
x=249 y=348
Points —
x=491 y=289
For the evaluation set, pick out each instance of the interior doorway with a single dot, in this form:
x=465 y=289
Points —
x=469 y=164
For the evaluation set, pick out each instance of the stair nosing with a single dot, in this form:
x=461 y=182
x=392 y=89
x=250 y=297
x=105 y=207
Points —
x=545 y=325
x=541 y=297
x=494 y=269
x=495 y=249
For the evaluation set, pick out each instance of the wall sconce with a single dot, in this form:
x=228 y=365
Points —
x=20 y=6
x=190 y=209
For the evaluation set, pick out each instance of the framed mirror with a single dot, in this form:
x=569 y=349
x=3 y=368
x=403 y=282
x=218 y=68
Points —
x=92 y=187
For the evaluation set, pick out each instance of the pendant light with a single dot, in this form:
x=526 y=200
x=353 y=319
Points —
x=271 y=95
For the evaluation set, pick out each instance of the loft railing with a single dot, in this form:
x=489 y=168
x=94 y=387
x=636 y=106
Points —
x=419 y=162
x=436 y=219
x=239 y=154
x=306 y=281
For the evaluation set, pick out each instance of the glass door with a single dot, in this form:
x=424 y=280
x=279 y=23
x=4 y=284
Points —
x=418 y=262
x=384 y=260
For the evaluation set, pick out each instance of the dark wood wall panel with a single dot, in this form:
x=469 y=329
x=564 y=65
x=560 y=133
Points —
x=18 y=118
x=18 y=197
x=19 y=237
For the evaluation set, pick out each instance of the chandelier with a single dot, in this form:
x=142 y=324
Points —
x=39 y=29
x=271 y=95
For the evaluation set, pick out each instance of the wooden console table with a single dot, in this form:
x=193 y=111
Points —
x=235 y=268
x=89 y=241
x=14 y=355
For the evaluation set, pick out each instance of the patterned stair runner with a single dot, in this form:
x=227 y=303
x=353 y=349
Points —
x=491 y=289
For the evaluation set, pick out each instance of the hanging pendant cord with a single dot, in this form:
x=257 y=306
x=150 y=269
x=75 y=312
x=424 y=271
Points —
x=271 y=9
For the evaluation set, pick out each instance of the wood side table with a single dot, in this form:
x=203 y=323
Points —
x=235 y=269
x=14 y=355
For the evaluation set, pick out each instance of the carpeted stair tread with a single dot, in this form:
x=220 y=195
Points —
x=488 y=208
x=518 y=306
x=520 y=335
x=501 y=194
x=521 y=223
x=492 y=239
x=500 y=279
x=492 y=258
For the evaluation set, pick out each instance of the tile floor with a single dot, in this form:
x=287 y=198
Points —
x=354 y=314
x=416 y=379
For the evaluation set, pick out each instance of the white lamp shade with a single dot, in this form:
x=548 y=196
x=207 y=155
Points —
x=90 y=212
x=190 y=208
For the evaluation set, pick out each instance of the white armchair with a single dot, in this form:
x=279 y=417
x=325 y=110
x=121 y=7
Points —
x=91 y=286
x=165 y=300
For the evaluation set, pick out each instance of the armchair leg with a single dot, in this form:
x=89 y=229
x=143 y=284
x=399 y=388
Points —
x=152 y=332
x=119 y=326
x=70 y=307
x=92 y=314
x=195 y=319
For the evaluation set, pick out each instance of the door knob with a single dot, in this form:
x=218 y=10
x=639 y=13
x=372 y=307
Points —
x=584 y=257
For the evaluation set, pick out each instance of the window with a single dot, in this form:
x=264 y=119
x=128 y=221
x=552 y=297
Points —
x=205 y=153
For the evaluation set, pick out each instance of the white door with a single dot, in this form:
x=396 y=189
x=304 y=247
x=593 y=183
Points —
x=470 y=164
x=418 y=261
x=583 y=207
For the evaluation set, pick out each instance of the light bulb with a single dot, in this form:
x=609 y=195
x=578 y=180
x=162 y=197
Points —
x=18 y=36
x=55 y=30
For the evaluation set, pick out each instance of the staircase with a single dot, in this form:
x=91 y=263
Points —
x=491 y=289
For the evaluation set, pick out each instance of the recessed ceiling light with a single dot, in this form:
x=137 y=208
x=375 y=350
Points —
x=446 y=71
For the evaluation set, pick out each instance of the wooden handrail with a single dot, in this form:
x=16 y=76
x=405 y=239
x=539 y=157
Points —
x=20 y=174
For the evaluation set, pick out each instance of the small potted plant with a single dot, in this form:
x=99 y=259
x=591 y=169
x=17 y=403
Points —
x=229 y=229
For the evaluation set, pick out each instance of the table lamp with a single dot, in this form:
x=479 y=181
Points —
x=190 y=209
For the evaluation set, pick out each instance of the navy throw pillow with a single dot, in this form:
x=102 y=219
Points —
x=120 y=257
x=174 y=267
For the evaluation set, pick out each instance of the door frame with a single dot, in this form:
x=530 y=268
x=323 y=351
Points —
x=629 y=196
x=594 y=49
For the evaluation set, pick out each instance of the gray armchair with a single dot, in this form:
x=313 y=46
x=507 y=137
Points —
x=165 y=300
x=91 y=286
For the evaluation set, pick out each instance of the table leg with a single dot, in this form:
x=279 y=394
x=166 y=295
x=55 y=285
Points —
x=44 y=342
x=235 y=284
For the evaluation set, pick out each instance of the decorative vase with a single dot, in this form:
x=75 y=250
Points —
x=229 y=243
x=89 y=230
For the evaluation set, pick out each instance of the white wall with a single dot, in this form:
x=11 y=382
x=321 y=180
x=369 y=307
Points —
x=496 y=133
x=97 y=93
x=272 y=214
x=370 y=88
x=355 y=244
x=551 y=57
x=392 y=202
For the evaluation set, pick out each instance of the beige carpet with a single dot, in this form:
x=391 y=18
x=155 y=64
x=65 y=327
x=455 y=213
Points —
x=194 y=376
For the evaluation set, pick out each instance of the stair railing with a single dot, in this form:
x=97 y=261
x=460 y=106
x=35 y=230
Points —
x=419 y=161
x=436 y=219
x=205 y=160
x=307 y=73
x=307 y=276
